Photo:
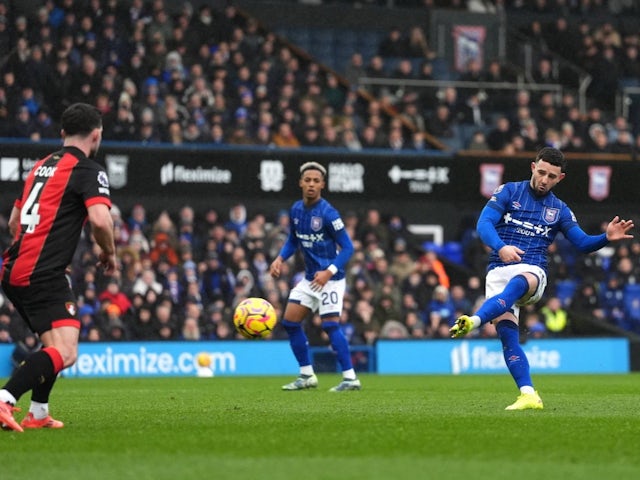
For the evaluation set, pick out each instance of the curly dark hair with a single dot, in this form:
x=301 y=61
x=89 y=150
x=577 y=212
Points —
x=552 y=156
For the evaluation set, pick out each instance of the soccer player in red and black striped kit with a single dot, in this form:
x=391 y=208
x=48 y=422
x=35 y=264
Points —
x=62 y=191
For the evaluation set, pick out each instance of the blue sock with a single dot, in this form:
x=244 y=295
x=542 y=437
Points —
x=298 y=341
x=339 y=344
x=514 y=356
x=497 y=305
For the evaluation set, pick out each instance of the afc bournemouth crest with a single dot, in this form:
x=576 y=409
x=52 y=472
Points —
x=117 y=166
x=71 y=308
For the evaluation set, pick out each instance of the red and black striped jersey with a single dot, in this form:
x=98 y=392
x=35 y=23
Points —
x=53 y=206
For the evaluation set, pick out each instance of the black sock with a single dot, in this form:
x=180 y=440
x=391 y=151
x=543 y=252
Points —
x=40 y=392
x=37 y=370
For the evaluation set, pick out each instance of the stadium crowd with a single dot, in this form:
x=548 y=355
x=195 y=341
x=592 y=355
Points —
x=207 y=75
x=181 y=277
x=200 y=74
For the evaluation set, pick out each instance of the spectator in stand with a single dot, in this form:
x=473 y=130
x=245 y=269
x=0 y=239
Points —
x=623 y=144
x=393 y=45
x=586 y=301
x=613 y=300
x=555 y=317
x=163 y=250
x=478 y=141
x=441 y=123
x=497 y=99
x=355 y=70
x=533 y=325
x=439 y=314
x=417 y=44
x=284 y=137
x=114 y=296
x=500 y=135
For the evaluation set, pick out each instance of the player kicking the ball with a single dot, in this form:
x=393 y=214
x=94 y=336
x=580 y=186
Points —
x=316 y=227
x=519 y=223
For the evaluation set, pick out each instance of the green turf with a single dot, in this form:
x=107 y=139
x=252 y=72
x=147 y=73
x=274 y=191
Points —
x=397 y=427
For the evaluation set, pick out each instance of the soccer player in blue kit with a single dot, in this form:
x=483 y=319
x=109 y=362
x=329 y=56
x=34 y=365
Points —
x=316 y=227
x=518 y=223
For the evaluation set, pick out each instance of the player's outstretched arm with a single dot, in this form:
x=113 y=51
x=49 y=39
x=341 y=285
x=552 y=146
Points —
x=618 y=229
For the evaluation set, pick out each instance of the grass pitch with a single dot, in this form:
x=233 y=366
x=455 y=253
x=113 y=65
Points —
x=397 y=427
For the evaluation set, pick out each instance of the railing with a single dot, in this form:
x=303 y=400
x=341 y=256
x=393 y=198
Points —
x=515 y=86
x=530 y=54
x=628 y=98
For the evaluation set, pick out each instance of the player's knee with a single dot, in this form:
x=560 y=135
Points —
x=69 y=355
x=330 y=326
x=291 y=327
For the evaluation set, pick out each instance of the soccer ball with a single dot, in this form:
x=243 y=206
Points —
x=204 y=360
x=255 y=318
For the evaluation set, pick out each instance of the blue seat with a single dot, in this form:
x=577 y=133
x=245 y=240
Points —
x=441 y=70
x=323 y=36
x=432 y=247
x=466 y=132
x=628 y=82
x=453 y=252
x=368 y=39
x=345 y=38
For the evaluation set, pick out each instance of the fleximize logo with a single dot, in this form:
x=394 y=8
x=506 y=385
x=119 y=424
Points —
x=177 y=173
x=470 y=357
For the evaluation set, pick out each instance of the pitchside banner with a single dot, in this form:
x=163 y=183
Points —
x=157 y=359
x=485 y=356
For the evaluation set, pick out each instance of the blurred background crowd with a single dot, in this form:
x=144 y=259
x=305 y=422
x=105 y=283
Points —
x=201 y=74
x=181 y=277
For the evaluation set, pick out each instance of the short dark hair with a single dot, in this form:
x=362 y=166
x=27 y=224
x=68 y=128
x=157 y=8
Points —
x=552 y=156
x=80 y=119
x=313 y=166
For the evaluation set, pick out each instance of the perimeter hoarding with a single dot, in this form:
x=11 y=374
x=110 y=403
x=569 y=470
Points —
x=241 y=358
x=426 y=188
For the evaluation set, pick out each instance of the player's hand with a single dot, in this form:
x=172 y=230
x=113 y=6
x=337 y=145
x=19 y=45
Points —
x=108 y=263
x=274 y=269
x=320 y=279
x=618 y=229
x=510 y=254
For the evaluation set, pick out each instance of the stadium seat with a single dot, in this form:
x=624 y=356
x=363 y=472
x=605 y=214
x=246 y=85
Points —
x=346 y=38
x=432 y=247
x=452 y=251
x=441 y=69
x=322 y=36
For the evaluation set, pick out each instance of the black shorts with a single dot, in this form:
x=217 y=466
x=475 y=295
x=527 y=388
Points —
x=45 y=306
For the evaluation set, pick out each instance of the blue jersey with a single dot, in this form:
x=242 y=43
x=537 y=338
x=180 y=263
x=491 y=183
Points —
x=525 y=220
x=318 y=230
